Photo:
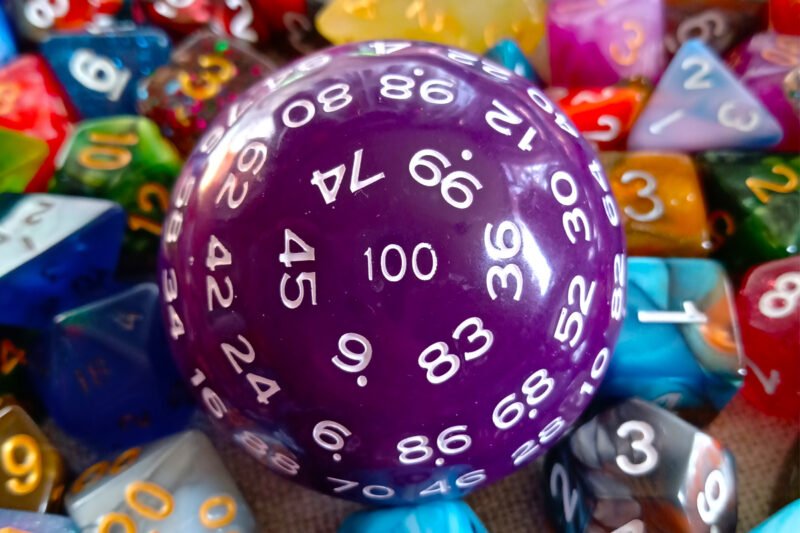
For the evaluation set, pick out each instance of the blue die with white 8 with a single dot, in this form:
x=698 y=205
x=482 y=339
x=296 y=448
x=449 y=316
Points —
x=100 y=71
x=679 y=344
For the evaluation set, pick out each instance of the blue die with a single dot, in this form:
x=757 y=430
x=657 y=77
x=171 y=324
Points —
x=7 y=47
x=679 y=345
x=508 y=54
x=106 y=375
x=100 y=71
x=787 y=520
x=435 y=517
x=35 y=522
x=56 y=252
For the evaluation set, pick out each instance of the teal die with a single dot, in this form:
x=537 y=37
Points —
x=680 y=343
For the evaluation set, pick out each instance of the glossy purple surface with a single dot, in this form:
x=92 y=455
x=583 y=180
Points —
x=337 y=422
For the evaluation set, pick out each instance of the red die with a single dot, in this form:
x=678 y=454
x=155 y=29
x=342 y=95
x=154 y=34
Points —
x=32 y=102
x=784 y=16
x=37 y=19
x=176 y=17
x=244 y=19
x=604 y=115
x=769 y=314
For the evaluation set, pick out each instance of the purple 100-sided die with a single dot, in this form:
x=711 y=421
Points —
x=393 y=271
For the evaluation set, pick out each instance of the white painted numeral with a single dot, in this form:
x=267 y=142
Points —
x=218 y=255
x=660 y=125
x=506 y=244
x=288 y=257
x=43 y=13
x=782 y=300
x=399 y=87
x=451 y=441
x=331 y=436
x=689 y=315
x=569 y=327
x=332 y=98
x=745 y=121
x=618 y=294
x=697 y=81
x=454 y=187
x=770 y=384
x=644 y=444
x=384 y=49
x=98 y=73
x=598 y=370
x=372 y=492
x=536 y=389
x=216 y=296
x=235 y=355
x=575 y=220
x=569 y=496
x=525 y=452
x=712 y=499
x=336 y=174
x=308 y=278
x=241 y=23
x=613 y=129
x=259 y=449
x=304 y=279
x=591 y=96
x=647 y=192
x=443 y=357
x=168 y=8
x=420 y=272
x=501 y=117
x=354 y=361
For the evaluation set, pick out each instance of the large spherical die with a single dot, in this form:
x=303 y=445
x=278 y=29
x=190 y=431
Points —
x=394 y=271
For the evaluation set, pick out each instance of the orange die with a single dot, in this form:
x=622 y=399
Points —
x=661 y=202
x=604 y=115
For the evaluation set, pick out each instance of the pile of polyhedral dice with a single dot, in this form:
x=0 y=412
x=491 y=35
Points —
x=483 y=232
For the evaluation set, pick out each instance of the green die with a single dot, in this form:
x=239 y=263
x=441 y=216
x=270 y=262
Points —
x=124 y=159
x=754 y=201
x=21 y=156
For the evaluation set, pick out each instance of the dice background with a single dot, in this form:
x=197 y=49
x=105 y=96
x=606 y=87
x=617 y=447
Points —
x=762 y=445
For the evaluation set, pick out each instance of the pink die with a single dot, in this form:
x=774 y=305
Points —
x=600 y=42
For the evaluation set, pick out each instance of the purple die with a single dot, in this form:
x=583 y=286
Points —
x=594 y=43
x=764 y=64
x=393 y=272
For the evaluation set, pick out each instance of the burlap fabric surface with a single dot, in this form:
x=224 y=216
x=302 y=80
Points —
x=763 y=447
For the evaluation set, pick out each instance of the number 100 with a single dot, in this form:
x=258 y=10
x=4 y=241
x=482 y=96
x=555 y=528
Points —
x=400 y=272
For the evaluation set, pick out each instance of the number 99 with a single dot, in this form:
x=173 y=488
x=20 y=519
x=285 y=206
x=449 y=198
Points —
x=21 y=459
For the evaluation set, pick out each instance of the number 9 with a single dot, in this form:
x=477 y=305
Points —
x=711 y=501
x=27 y=473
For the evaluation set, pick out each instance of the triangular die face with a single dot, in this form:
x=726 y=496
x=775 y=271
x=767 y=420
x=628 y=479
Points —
x=122 y=321
x=31 y=224
x=700 y=105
